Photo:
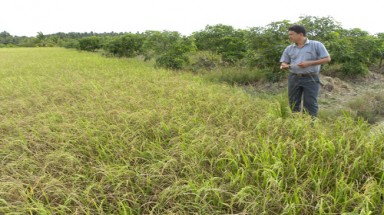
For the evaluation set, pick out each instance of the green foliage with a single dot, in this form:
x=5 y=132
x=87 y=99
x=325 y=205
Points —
x=320 y=28
x=175 y=57
x=27 y=42
x=90 y=43
x=170 y=48
x=69 y=43
x=127 y=45
x=171 y=60
x=41 y=39
x=6 y=38
x=157 y=43
x=210 y=39
x=265 y=46
x=210 y=66
x=233 y=48
x=355 y=50
x=366 y=47
x=380 y=38
x=224 y=40
x=353 y=68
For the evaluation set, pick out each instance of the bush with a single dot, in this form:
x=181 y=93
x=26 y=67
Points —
x=203 y=61
x=169 y=48
x=370 y=107
x=223 y=40
x=355 y=50
x=90 y=43
x=353 y=68
x=273 y=75
x=70 y=44
x=172 y=61
x=266 y=44
x=157 y=43
x=128 y=45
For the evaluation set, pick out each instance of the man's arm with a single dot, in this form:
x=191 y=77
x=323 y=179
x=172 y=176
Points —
x=285 y=59
x=305 y=64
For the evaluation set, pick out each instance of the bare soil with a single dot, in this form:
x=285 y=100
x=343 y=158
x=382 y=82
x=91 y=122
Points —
x=336 y=93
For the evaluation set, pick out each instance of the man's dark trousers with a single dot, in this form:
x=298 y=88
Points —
x=308 y=86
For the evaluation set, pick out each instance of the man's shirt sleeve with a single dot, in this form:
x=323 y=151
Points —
x=285 y=57
x=322 y=51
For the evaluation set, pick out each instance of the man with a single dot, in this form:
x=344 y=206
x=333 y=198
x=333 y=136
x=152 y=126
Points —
x=303 y=60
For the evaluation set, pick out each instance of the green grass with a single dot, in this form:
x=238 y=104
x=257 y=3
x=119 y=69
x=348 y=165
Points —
x=85 y=134
x=234 y=75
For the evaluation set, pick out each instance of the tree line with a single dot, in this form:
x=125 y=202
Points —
x=353 y=51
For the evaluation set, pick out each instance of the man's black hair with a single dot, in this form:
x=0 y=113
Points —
x=298 y=29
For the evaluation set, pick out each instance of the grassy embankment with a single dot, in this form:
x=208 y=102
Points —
x=84 y=134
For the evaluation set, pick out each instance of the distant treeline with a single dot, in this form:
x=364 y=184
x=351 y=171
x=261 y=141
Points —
x=352 y=50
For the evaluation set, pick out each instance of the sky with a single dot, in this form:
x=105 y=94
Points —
x=27 y=17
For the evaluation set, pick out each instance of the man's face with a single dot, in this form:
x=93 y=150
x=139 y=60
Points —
x=294 y=37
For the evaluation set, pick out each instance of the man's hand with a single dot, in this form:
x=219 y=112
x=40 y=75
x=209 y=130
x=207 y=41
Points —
x=305 y=64
x=284 y=66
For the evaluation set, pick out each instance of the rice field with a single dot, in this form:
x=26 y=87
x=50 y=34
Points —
x=84 y=134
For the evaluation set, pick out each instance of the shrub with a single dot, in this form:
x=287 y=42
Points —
x=273 y=75
x=169 y=48
x=157 y=43
x=128 y=45
x=355 y=50
x=352 y=68
x=90 y=43
x=265 y=46
x=70 y=44
x=171 y=60
x=203 y=61
x=369 y=106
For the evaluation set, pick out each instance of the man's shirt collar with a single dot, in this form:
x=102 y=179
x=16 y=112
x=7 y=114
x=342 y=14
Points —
x=305 y=43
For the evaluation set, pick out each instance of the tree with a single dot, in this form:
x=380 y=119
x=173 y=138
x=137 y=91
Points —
x=157 y=42
x=175 y=57
x=223 y=40
x=41 y=39
x=355 y=50
x=168 y=47
x=6 y=38
x=320 y=28
x=265 y=46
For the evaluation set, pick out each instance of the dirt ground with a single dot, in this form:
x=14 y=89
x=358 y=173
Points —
x=336 y=93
